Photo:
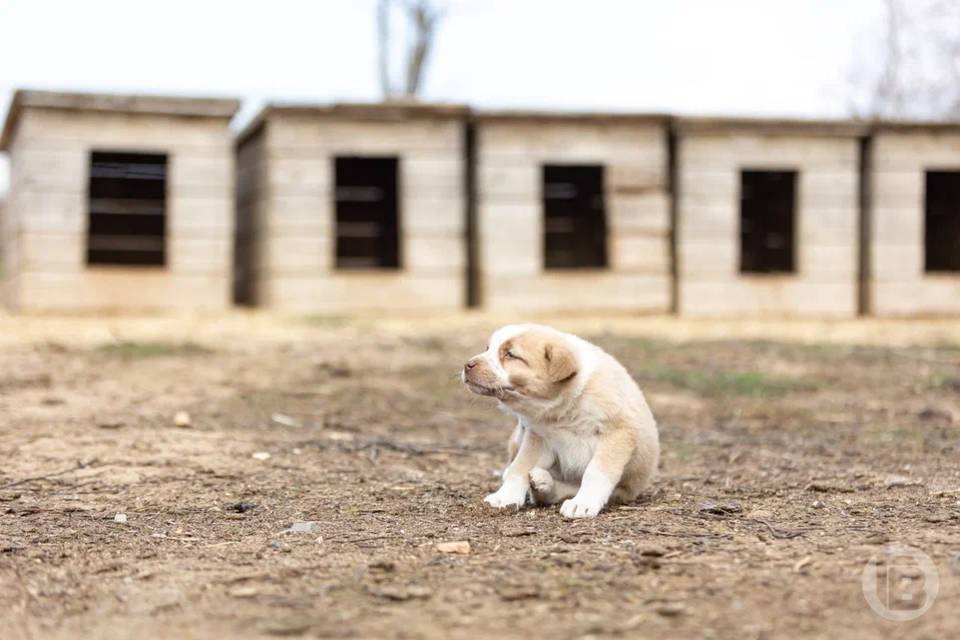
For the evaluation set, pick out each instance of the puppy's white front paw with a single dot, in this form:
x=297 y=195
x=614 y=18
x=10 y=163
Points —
x=506 y=497
x=579 y=508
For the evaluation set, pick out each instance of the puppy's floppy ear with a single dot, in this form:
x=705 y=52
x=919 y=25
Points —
x=561 y=363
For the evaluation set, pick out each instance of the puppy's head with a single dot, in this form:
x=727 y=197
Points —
x=523 y=364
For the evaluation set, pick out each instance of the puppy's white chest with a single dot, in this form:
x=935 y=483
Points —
x=573 y=452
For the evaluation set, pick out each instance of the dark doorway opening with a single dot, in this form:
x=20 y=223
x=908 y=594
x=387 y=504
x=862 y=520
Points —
x=367 y=215
x=942 y=221
x=767 y=221
x=127 y=209
x=575 y=227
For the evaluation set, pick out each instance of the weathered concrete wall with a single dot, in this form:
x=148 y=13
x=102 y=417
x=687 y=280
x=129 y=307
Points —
x=292 y=208
x=899 y=286
x=708 y=226
x=511 y=154
x=48 y=201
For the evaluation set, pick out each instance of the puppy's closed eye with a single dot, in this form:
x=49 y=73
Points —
x=510 y=355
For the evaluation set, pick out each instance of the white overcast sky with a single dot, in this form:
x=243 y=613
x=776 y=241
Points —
x=733 y=57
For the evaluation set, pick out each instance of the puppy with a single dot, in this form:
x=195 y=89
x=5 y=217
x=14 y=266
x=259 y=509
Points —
x=584 y=432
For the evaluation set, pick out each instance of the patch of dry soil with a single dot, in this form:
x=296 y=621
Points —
x=786 y=468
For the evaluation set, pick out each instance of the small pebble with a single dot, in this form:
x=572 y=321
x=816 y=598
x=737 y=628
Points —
x=720 y=508
x=400 y=593
x=241 y=507
x=284 y=420
x=818 y=504
x=460 y=548
x=671 y=609
x=244 y=592
x=382 y=564
x=261 y=455
x=895 y=482
x=285 y=628
x=304 y=527
x=120 y=518
x=514 y=593
x=182 y=420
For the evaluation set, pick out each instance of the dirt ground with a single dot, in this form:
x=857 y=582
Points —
x=793 y=454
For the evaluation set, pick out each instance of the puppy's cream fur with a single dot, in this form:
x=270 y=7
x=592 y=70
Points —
x=584 y=433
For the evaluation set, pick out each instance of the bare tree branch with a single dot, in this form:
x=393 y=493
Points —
x=383 y=40
x=422 y=19
x=913 y=68
x=425 y=19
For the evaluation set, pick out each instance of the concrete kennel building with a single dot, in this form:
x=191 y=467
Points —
x=572 y=212
x=768 y=217
x=117 y=202
x=352 y=207
x=914 y=232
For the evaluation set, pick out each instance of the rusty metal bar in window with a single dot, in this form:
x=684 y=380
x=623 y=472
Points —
x=128 y=171
x=359 y=194
x=125 y=243
x=358 y=230
x=127 y=206
x=560 y=191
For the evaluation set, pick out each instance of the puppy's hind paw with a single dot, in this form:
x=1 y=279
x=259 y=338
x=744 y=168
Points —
x=541 y=481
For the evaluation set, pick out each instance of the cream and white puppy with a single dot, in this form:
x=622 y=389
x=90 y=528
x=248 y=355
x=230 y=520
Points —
x=584 y=431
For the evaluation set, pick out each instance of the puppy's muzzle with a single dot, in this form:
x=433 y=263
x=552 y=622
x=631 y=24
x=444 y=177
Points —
x=480 y=381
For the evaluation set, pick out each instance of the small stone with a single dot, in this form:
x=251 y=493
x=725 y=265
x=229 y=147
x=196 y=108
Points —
x=261 y=455
x=671 y=609
x=284 y=420
x=818 y=504
x=827 y=487
x=400 y=593
x=382 y=564
x=897 y=481
x=460 y=548
x=304 y=527
x=721 y=509
x=120 y=518
x=182 y=420
x=802 y=564
x=286 y=627
x=240 y=507
x=937 y=518
x=512 y=594
x=931 y=414
x=244 y=592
